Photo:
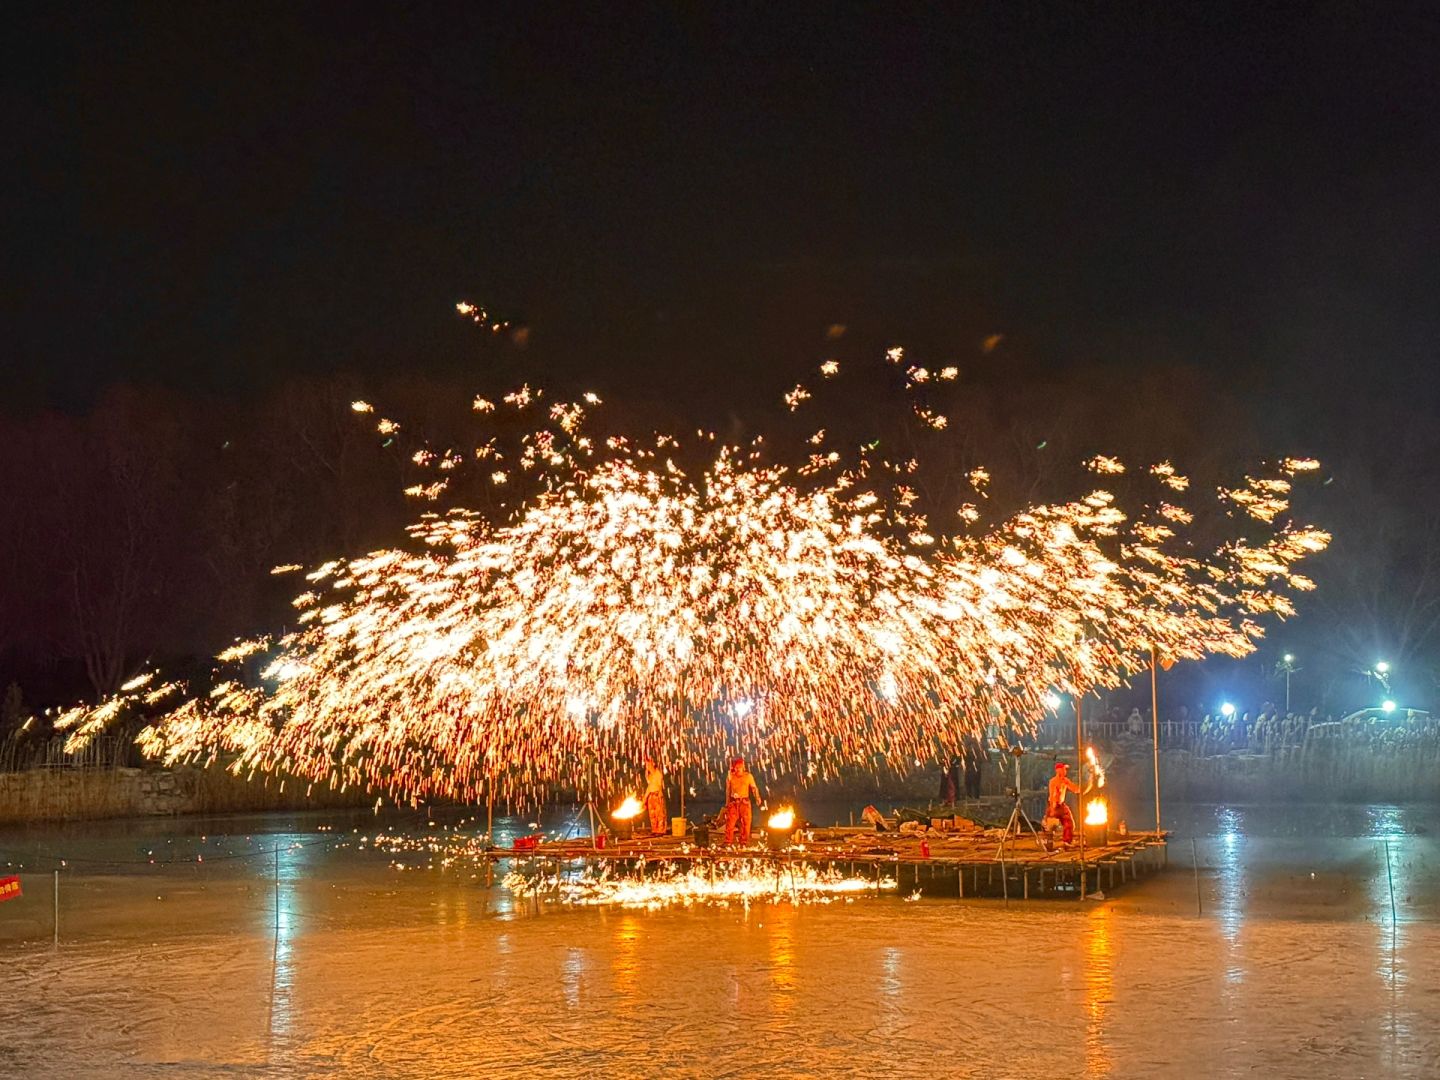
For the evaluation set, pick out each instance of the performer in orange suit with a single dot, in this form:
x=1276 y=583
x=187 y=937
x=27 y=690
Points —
x=739 y=788
x=655 y=797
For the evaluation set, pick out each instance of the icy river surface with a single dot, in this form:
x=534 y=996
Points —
x=290 y=945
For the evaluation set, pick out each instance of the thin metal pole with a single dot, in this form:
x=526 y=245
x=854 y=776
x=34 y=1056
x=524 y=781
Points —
x=1390 y=877
x=1155 y=719
x=1195 y=862
x=57 y=909
x=1080 y=795
x=682 y=789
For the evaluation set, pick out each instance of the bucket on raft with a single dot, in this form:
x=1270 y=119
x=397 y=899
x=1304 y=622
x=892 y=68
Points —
x=678 y=826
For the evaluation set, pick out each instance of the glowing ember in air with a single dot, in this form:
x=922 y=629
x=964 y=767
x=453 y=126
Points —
x=628 y=809
x=782 y=819
x=732 y=883
x=1097 y=812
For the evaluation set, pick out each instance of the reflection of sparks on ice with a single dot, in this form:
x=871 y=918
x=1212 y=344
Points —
x=668 y=886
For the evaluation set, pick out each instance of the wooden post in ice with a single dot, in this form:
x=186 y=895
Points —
x=57 y=909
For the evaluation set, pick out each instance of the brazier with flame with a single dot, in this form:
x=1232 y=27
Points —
x=780 y=828
x=1097 y=822
x=624 y=816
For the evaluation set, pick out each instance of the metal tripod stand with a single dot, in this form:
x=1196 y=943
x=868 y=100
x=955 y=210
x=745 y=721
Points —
x=1019 y=820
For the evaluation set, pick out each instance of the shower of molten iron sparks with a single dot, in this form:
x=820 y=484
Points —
x=668 y=885
x=1097 y=812
x=622 y=592
x=628 y=809
x=783 y=819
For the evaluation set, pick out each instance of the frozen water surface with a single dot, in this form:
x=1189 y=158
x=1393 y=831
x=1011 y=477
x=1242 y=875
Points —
x=1294 y=967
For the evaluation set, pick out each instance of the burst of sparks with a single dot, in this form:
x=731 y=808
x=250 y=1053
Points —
x=629 y=600
x=667 y=885
x=1106 y=466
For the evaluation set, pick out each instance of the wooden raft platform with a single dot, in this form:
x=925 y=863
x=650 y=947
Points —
x=960 y=864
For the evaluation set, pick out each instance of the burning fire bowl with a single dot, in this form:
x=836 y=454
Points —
x=780 y=839
x=780 y=829
x=624 y=816
x=1097 y=823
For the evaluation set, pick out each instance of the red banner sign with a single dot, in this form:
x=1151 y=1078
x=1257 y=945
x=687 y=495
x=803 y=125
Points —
x=9 y=888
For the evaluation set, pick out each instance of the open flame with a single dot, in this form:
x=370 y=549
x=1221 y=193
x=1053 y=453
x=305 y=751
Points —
x=628 y=809
x=784 y=818
x=1097 y=812
x=1095 y=767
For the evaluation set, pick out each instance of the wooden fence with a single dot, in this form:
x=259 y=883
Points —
x=103 y=752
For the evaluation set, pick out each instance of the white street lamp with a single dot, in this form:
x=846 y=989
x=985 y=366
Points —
x=1287 y=665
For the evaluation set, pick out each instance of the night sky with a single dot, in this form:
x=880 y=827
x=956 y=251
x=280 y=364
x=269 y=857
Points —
x=214 y=196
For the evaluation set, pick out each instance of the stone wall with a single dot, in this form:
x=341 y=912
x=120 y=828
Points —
x=59 y=794
x=75 y=794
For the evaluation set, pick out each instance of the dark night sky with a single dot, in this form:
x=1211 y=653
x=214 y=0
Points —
x=216 y=195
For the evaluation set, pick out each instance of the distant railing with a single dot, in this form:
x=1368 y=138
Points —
x=1174 y=734
x=102 y=752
